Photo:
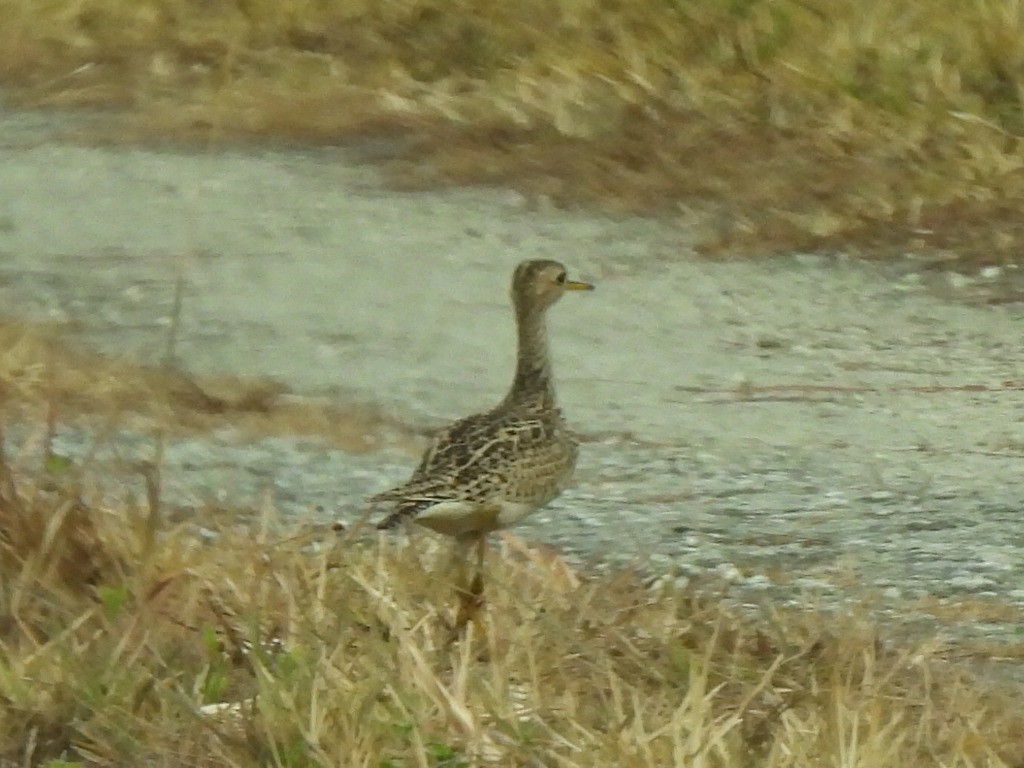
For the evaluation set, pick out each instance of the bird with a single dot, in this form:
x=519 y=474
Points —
x=490 y=470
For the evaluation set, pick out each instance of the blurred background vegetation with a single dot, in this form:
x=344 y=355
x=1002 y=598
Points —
x=869 y=125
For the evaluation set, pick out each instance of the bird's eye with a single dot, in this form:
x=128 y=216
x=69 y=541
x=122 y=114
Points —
x=561 y=278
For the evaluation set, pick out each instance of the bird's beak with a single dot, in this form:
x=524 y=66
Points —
x=576 y=285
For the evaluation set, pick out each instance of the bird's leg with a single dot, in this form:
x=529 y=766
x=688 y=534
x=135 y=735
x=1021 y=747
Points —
x=476 y=588
x=471 y=599
x=459 y=565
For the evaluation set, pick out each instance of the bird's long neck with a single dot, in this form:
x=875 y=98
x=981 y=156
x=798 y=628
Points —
x=533 y=362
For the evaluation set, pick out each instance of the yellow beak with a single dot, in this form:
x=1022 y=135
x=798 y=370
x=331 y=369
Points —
x=576 y=285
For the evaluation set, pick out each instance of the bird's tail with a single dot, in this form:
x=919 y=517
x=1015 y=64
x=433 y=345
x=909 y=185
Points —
x=392 y=521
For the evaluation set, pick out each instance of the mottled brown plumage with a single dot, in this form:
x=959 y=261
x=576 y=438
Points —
x=492 y=469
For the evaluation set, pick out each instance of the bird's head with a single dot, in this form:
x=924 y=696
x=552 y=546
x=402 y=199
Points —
x=540 y=283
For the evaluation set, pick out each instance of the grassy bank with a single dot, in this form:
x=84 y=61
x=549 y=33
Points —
x=126 y=641
x=780 y=123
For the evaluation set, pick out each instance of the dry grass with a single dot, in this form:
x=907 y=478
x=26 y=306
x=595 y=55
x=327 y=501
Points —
x=42 y=371
x=790 y=123
x=125 y=641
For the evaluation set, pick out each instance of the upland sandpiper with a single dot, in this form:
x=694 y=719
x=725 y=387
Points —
x=492 y=469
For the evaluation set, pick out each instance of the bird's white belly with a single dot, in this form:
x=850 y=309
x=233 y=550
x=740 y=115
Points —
x=511 y=512
x=460 y=517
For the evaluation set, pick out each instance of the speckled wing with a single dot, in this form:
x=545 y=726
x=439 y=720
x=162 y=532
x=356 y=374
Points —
x=512 y=456
x=431 y=481
x=453 y=445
